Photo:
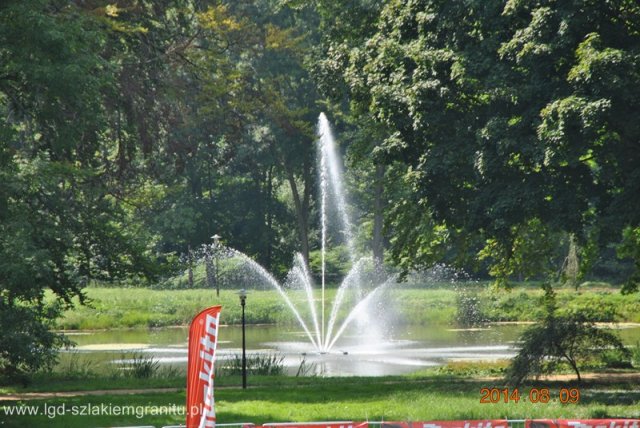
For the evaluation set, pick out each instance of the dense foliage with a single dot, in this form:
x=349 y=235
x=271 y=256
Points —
x=60 y=220
x=509 y=127
x=513 y=122
x=499 y=136
x=133 y=131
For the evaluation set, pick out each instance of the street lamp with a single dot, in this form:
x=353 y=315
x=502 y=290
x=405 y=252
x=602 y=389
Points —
x=216 y=239
x=243 y=299
x=216 y=249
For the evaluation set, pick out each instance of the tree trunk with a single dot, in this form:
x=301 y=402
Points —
x=122 y=151
x=301 y=214
x=190 y=255
x=306 y=198
x=211 y=203
x=378 y=209
x=269 y=216
x=574 y=366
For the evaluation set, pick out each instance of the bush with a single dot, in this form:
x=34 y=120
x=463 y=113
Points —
x=76 y=366
x=306 y=369
x=140 y=366
x=257 y=364
x=473 y=368
x=572 y=338
x=614 y=359
x=27 y=343
x=507 y=306
x=635 y=355
x=337 y=263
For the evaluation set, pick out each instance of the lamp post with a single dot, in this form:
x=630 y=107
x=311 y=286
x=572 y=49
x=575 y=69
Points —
x=243 y=300
x=216 y=248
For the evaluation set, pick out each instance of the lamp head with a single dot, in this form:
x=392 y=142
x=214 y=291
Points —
x=243 y=296
x=216 y=239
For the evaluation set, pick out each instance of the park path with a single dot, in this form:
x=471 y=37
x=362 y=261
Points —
x=598 y=377
x=64 y=394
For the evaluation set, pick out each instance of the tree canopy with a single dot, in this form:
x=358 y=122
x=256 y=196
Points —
x=509 y=118
x=498 y=136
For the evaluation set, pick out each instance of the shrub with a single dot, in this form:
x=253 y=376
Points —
x=140 y=366
x=257 y=364
x=614 y=359
x=306 y=369
x=76 y=366
x=635 y=355
x=571 y=338
x=27 y=343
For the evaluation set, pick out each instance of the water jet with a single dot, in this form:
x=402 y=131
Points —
x=359 y=290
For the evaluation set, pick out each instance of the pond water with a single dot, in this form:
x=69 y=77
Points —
x=409 y=349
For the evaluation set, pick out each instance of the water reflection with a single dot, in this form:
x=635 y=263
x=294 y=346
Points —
x=412 y=348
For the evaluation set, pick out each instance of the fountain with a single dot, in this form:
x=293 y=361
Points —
x=358 y=290
x=325 y=322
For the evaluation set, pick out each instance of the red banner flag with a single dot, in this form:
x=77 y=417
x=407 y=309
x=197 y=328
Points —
x=203 y=338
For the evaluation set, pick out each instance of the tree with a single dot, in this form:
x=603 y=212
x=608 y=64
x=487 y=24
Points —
x=511 y=129
x=507 y=114
x=345 y=26
x=569 y=337
x=258 y=100
x=61 y=223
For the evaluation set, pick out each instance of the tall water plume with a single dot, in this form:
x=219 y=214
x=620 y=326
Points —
x=351 y=302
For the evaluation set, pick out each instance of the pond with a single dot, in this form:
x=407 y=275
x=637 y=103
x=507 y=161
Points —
x=409 y=349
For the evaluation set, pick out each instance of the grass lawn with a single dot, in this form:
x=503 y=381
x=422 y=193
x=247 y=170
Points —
x=278 y=399
x=141 y=307
x=429 y=395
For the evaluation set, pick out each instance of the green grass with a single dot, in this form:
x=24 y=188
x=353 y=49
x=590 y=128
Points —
x=141 y=307
x=60 y=383
x=524 y=304
x=418 y=397
x=422 y=307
